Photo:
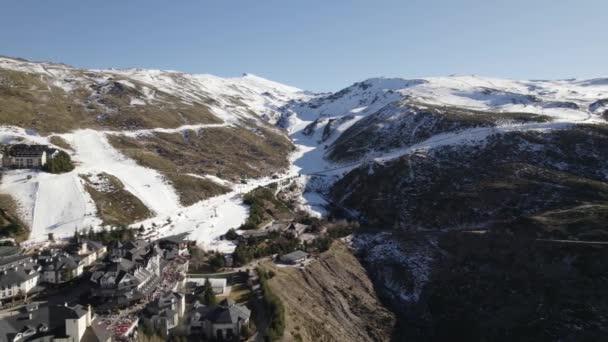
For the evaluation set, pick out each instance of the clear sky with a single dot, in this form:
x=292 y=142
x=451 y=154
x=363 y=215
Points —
x=316 y=45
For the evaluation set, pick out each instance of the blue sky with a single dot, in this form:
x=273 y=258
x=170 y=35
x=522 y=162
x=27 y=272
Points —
x=316 y=45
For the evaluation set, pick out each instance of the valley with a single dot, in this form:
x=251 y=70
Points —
x=458 y=183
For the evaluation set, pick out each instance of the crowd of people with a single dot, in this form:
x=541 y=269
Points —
x=121 y=324
x=171 y=275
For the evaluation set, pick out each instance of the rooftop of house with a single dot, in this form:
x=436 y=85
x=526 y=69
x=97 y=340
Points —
x=175 y=239
x=98 y=331
x=25 y=150
x=10 y=259
x=18 y=274
x=294 y=256
x=162 y=304
x=60 y=262
x=278 y=226
x=226 y=312
x=134 y=245
x=255 y=234
x=6 y=251
x=39 y=321
x=93 y=245
x=299 y=227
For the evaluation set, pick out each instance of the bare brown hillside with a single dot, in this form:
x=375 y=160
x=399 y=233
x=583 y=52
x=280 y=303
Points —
x=331 y=299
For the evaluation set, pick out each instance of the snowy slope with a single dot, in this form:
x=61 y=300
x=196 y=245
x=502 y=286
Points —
x=565 y=99
x=230 y=97
x=59 y=204
x=96 y=155
x=399 y=110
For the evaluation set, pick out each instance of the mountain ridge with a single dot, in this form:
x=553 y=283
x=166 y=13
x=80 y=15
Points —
x=429 y=167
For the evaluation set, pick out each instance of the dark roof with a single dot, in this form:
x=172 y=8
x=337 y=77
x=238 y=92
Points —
x=6 y=251
x=67 y=312
x=256 y=234
x=226 y=312
x=93 y=245
x=24 y=150
x=135 y=245
x=12 y=258
x=62 y=262
x=15 y=276
x=176 y=239
x=125 y=264
x=40 y=318
x=296 y=255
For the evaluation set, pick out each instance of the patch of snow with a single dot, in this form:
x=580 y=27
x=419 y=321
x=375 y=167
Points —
x=386 y=255
x=136 y=102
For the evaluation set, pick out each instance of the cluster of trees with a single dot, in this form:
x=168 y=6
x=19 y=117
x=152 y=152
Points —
x=201 y=261
x=118 y=233
x=257 y=248
x=61 y=163
x=273 y=305
x=216 y=261
x=231 y=234
x=340 y=230
x=256 y=200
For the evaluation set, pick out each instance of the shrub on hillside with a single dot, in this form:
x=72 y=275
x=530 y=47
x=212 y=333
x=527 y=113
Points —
x=274 y=307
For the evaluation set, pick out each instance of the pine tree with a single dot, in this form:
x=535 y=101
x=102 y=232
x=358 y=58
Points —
x=208 y=296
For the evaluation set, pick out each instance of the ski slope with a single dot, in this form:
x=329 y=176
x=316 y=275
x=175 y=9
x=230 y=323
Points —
x=59 y=204
x=95 y=154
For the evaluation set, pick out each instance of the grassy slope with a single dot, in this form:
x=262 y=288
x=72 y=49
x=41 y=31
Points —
x=264 y=207
x=10 y=225
x=60 y=142
x=193 y=189
x=330 y=300
x=115 y=205
x=228 y=152
x=28 y=101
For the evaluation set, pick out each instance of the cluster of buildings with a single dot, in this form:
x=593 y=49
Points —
x=128 y=284
x=21 y=275
x=24 y=276
x=130 y=273
x=53 y=323
x=20 y=156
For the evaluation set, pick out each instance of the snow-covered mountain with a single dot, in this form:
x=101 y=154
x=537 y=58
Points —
x=94 y=96
x=119 y=126
x=144 y=127
x=398 y=113
x=416 y=161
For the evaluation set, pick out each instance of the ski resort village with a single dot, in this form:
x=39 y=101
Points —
x=156 y=279
x=152 y=205
x=74 y=268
